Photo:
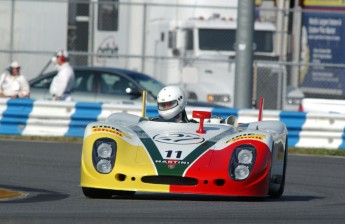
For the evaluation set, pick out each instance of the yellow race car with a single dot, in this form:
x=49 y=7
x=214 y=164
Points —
x=128 y=153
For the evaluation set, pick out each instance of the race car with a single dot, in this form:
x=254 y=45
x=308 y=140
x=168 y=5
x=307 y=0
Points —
x=128 y=153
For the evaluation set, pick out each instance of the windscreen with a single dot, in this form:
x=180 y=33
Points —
x=224 y=40
x=151 y=85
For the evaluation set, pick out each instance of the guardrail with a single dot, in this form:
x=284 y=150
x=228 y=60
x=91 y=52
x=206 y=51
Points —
x=48 y=118
x=323 y=105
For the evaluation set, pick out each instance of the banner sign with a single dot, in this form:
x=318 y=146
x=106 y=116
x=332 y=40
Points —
x=323 y=42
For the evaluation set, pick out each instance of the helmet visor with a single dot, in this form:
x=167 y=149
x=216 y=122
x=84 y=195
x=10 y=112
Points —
x=167 y=105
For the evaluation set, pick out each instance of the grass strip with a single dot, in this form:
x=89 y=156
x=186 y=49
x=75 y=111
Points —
x=320 y=152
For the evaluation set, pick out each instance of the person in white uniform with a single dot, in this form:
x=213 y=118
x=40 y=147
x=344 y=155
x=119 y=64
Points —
x=13 y=84
x=63 y=83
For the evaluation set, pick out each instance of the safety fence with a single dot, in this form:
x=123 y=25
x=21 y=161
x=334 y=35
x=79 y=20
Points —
x=68 y=119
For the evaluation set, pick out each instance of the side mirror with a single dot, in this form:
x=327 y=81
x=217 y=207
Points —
x=232 y=120
x=202 y=115
x=133 y=92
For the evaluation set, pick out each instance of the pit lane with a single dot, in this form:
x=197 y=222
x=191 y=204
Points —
x=48 y=173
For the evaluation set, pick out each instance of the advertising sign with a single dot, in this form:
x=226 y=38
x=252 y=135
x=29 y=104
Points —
x=323 y=42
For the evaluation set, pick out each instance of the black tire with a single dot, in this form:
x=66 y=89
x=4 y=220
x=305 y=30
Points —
x=102 y=193
x=280 y=191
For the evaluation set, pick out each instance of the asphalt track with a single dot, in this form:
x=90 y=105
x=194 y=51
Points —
x=48 y=175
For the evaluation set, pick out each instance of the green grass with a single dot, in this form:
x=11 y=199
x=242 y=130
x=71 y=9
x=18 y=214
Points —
x=321 y=152
x=309 y=151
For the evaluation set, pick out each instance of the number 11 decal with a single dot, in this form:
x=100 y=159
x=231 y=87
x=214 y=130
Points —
x=170 y=154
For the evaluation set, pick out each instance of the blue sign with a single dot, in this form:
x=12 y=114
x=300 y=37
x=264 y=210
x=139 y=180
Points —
x=323 y=42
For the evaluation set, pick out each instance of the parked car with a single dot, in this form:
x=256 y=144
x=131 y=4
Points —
x=106 y=85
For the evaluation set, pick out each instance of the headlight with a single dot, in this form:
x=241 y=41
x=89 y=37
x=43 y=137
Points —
x=104 y=150
x=241 y=172
x=295 y=101
x=104 y=155
x=104 y=166
x=245 y=156
x=242 y=162
x=218 y=98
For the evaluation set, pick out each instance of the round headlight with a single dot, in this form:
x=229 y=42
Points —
x=245 y=156
x=241 y=172
x=104 y=150
x=104 y=166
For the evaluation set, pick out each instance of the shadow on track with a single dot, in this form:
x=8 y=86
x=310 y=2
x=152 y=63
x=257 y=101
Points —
x=186 y=197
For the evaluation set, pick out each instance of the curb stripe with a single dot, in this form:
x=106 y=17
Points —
x=224 y=112
x=84 y=114
x=304 y=129
x=15 y=116
x=294 y=122
x=342 y=145
x=151 y=111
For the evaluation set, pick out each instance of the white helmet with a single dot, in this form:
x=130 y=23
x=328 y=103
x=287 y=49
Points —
x=60 y=53
x=15 y=64
x=171 y=101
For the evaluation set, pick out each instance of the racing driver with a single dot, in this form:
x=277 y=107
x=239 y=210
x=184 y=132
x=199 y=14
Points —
x=171 y=102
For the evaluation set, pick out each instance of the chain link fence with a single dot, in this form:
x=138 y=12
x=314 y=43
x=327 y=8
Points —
x=190 y=44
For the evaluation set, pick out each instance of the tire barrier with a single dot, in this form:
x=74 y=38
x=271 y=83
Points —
x=68 y=119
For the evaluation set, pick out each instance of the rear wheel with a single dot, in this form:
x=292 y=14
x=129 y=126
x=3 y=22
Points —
x=102 y=193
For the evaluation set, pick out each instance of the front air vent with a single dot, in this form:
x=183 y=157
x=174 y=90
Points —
x=169 y=180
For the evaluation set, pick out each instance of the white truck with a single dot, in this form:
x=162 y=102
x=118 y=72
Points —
x=189 y=43
x=203 y=51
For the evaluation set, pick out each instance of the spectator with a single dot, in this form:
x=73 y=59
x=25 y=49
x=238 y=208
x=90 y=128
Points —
x=13 y=84
x=63 y=83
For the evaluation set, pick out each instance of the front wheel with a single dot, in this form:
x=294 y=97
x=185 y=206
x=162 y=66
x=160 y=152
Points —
x=279 y=192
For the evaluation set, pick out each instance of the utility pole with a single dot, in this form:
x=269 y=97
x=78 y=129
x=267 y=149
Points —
x=297 y=32
x=244 y=54
x=12 y=30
